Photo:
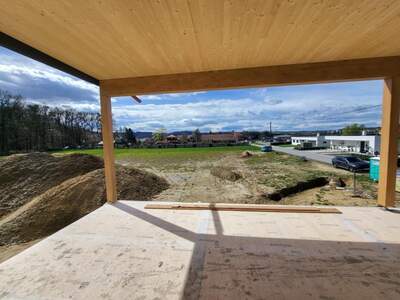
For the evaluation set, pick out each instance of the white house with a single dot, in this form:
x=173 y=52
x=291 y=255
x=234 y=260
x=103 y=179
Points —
x=355 y=143
x=358 y=143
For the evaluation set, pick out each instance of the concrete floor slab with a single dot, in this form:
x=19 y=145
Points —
x=123 y=251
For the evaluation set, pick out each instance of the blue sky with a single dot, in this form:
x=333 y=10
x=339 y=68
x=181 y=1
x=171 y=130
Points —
x=301 y=107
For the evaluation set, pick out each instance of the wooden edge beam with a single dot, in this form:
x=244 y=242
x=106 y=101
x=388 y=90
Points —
x=334 y=71
x=238 y=207
x=137 y=99
x=26 y=50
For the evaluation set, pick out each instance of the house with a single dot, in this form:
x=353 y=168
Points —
x=220 y=137
x=172 y=139
x=356 y=143
x=283 y=138
x=315 y=141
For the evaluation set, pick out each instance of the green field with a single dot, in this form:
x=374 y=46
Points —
x=165 y=153
x=285 y=145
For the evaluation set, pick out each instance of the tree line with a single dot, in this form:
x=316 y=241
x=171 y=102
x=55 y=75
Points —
x=28 y=127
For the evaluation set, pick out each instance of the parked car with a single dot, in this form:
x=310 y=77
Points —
x=351 y=163
x=266 y=148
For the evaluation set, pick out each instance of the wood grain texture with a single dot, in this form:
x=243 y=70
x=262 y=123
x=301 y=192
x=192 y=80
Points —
x=243 y=207
x=389 y=140
x=123 y=38
x=370 y=68
x=108 y=148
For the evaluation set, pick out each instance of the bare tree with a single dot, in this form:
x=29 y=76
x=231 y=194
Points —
x=32 y=127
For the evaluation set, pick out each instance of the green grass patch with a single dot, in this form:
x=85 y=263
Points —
x=279 y=170
x=164 y=153
x=285 y=145
x=275 y=158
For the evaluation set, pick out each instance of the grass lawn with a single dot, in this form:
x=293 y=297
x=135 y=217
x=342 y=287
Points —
x=286 y=145
x=279 y=170
x=165 y=153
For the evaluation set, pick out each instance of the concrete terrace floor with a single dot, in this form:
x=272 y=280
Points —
x=124 y=251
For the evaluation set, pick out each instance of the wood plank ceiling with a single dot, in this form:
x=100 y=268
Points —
x=125 y=38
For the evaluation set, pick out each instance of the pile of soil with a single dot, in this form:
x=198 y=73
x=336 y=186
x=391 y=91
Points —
x=226 y=173
x=64 y=201
x=24 y=176
x=246 y=154
x=335 y=182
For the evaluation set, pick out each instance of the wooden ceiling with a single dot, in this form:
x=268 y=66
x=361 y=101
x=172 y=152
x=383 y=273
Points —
x=126 y=38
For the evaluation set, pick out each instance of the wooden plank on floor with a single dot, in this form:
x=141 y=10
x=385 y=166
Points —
x=244 y=207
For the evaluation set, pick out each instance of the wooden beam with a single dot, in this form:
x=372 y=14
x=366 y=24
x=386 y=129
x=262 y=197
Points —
x=388 y=152
x=243 y=207
x=108 y=147
x=24 y=49
x=358 y=69
x=137 y=99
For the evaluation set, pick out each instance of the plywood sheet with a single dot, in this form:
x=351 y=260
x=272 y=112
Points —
x=123 y=38
x=124 y=251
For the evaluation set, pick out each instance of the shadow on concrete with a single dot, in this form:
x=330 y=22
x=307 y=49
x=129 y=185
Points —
x=240 y=267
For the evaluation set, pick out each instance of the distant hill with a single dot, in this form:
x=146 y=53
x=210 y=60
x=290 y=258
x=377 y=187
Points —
x=186 y=132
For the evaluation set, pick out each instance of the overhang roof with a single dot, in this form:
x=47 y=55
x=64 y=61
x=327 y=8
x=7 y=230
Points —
x=119 y=39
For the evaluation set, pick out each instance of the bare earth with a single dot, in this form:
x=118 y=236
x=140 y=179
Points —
x=52 y=202
x=40 y=194
x=193 y=181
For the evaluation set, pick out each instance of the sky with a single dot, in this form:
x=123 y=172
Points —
x=300 y=107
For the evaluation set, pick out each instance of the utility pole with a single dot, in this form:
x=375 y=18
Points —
x=270 y=129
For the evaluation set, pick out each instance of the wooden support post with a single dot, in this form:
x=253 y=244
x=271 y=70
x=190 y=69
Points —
x=388 y=152
x=108 y=147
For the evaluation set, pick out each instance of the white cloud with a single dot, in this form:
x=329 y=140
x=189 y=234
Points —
x=15 y=73
x=245 y=113
x=169 y=96
x=295 y=107
x=273 y=101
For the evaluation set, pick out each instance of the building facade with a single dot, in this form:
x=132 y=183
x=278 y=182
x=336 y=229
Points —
x=316 y=141
x=357 y=143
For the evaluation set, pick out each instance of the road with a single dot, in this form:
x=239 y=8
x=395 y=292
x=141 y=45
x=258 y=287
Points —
x=326 y=159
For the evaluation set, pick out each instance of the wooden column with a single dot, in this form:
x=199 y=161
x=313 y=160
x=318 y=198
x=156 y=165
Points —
x=389 y=134
x=108 y=147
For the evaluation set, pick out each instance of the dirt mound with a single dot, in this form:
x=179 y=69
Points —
x=226 y=173
x=24 y=176
x=246 y=154
x=72 y=199
x=335 y=182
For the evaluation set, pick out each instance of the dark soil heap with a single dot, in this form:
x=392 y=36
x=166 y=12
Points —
x=40 y=194
x=225 y=173
x=24 y=176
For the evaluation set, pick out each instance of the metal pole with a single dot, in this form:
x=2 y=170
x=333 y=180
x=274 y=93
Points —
x=270 y=129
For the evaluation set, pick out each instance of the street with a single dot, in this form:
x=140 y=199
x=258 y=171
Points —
x=307 y=154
